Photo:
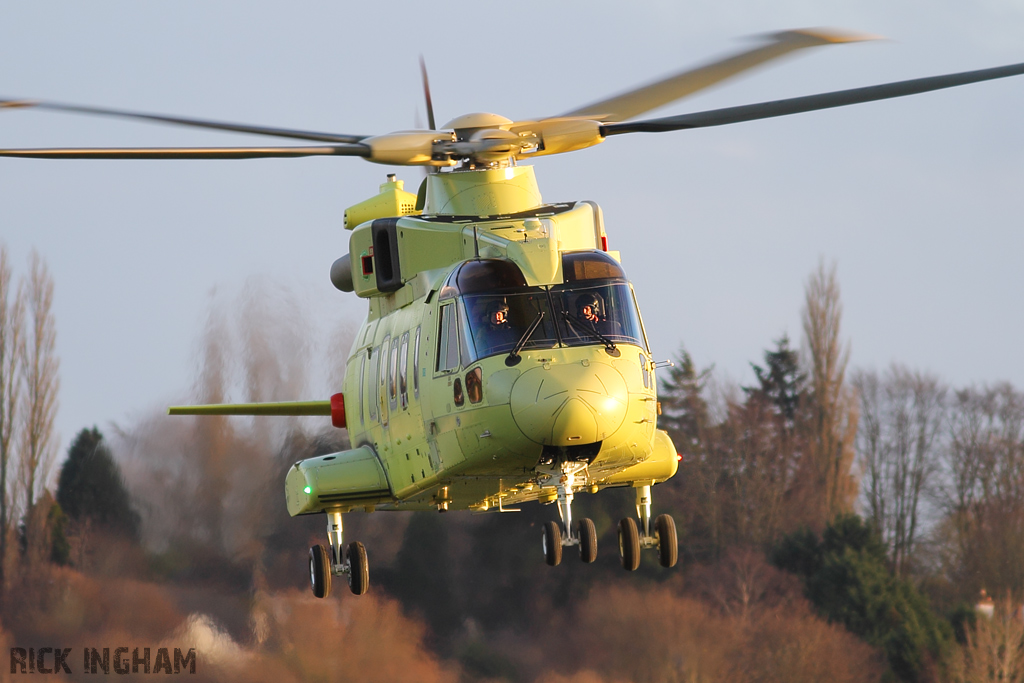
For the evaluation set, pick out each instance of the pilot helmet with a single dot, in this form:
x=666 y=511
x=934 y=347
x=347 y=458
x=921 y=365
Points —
x=590 y=299
x=494 y=308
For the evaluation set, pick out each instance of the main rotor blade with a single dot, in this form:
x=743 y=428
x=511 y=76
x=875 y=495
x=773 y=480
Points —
x=426 y=92
x=188 y=153
x=798 y=105
x=182 y=121
x=679 y=85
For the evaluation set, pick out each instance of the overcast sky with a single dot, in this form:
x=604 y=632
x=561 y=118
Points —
x=918 y=200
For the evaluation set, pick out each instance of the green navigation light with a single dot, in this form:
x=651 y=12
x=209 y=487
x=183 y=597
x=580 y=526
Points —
x=308 y=489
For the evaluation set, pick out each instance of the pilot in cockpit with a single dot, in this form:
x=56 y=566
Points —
x=588 y=307
x=495 y=333
x=590 y=310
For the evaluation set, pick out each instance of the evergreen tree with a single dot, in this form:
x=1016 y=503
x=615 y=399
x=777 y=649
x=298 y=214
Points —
x=90 y=486
x=780 y=382
x=60 y=549
x=684 y=412
x=846 y=576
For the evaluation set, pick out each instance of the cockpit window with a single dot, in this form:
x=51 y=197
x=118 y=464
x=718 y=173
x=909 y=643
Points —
x=483 y=275
x=607 y=309
x=497 y=308
x=448 y=339
x=497 y=321
x=590 y=265
x=486 y=275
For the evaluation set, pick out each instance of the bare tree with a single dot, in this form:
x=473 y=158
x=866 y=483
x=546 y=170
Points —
x=968 y=440
x=994 y=650
x=833 y=404
x=871 y=449
x=39 y=368
x=983 y=495
x=12 y=316
x=901 y=419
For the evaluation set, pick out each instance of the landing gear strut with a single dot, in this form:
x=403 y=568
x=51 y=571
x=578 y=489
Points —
x=337 y=560
x=584 y=534
x=632 y=539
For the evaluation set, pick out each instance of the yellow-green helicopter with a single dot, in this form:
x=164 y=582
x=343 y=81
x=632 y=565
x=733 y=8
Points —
x=503 y=358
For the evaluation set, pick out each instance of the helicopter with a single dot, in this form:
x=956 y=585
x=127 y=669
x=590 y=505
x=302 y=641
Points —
x=503 y=358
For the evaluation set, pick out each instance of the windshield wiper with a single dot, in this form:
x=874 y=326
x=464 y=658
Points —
x=609 y=345
x=513 y=355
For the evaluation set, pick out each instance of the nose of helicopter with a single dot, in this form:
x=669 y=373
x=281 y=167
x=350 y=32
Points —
x=566 y=405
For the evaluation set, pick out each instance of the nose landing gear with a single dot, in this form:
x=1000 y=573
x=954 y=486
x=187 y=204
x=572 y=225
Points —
x=632 y=539
x=338 y=560
x=584 y=534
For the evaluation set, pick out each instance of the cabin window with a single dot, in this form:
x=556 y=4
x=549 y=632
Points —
x=475 y=385
x=403 y=368
x=373 y=398
x=416 y=365
x=442 y=338
x=448 y=336
x=382 y=374
x=362 y=386
x=393 y=374
x=457 y=392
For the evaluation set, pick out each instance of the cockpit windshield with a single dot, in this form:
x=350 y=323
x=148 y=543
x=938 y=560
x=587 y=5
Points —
x=595 y=305
x=606 y=309
x=498 y=321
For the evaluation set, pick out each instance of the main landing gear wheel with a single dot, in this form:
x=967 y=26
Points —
x=629 y=544
x=588 y=540
x=319 y=571
x=552 y=543
x=359 y=568
x=668 y=541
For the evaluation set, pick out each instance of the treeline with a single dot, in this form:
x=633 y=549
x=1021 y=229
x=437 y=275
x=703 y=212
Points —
x=770 y=458
x=943 y=480
x=835 y=524
x=940 y=471
x=784 y=465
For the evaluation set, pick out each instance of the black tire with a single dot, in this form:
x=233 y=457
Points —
x=319 y=571
x=668 y=540
x=359 y=568
x=552 y=544
x=588 y=540
x=629 y=544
